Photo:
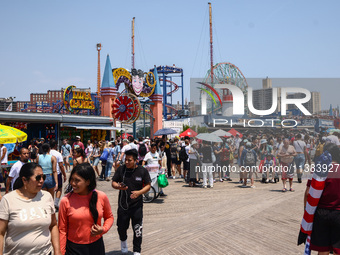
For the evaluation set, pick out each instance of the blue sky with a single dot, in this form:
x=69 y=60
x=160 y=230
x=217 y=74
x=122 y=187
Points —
x=52 y=44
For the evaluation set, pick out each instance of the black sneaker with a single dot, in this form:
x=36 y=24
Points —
x=299 y=180
x=162 y=195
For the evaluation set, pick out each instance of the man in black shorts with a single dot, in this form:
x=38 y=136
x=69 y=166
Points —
x=132 y=181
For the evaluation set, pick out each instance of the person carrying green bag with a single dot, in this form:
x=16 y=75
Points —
x=153 y=162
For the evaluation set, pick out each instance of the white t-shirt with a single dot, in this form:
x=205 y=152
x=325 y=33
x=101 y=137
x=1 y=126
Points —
x=28 y=223
x=152 y=158
x=333 y=139
x=15 y=170
x=89 y=150
x=187 y=148
x=237 y=142
x=299 y=145
x=124 y=149
x=58 y=157
x=133 y=146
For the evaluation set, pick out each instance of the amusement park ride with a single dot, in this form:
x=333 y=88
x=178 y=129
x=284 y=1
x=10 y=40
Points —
x=141 y=93
x=219 y=75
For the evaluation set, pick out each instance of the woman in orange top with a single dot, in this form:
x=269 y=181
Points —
x=81 y=212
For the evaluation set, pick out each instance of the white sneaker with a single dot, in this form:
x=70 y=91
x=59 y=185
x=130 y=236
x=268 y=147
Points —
x=124 y=246
x=252 y=186
x=136 y=253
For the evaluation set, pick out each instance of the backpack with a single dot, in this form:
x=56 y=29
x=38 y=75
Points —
x=183 y=154
x=225 y=154
x=173 y=150
x=250 y=158
x=142 y=150
x=104 y=155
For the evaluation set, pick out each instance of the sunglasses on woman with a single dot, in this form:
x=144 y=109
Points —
x=38 y=177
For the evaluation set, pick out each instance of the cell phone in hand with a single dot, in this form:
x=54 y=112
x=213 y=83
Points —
x=123 y=184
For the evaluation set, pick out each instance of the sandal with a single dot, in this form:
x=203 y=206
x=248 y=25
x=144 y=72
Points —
x=292 y=190
x=284 y=190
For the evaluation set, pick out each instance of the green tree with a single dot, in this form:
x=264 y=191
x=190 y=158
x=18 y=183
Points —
x=202 y=130
x=185 y=127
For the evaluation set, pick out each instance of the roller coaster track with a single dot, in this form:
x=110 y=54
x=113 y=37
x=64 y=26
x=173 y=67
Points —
x=174 y=84
x=172 y=108
x=215 y=109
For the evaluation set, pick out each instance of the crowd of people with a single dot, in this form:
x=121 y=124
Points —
x=84 y=213
x=270 y=155
x=34 y=189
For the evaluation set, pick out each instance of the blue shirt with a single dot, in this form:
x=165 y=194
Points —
x=110 y=155
x=66 y=150
x=46 y=163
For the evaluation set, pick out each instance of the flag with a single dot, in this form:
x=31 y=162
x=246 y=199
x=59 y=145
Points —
x=307 y=247
x=9 y=108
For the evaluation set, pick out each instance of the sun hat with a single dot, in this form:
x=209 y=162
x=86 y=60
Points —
x=263 y=141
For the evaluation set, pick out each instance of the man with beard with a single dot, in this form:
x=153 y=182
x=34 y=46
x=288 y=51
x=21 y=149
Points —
x=15 y=170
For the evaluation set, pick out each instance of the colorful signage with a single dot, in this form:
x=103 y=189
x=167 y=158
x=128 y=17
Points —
x=78 y=99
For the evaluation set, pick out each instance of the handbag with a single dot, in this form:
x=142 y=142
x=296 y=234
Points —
x=104 y=155
x=162 y=181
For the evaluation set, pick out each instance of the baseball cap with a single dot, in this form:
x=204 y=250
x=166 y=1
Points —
x=77 y=137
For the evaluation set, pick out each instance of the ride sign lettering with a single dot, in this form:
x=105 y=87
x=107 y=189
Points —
x=78 y=99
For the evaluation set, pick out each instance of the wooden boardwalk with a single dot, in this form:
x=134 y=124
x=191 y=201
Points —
x=227 y=219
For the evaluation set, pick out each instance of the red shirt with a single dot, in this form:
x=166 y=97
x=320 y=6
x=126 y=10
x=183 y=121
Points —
x=330 y=198
x=75 y=219
x=78 y=144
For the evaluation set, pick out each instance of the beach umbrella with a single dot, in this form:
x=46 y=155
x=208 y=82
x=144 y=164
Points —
x=11 y=135
x=188 y=132
x=209 y=137
x=234 y=132
x=126 y=135
x=221 y=132
x=165 y=131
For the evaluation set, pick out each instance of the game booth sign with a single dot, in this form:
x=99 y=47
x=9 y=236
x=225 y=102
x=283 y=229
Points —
x=76 y=99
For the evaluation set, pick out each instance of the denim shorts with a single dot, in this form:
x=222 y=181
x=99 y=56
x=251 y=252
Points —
x=49 y=182
x=96 y=161
x=300 y=161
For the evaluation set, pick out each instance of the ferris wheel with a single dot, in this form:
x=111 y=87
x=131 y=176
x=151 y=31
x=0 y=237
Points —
x=224 y=73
